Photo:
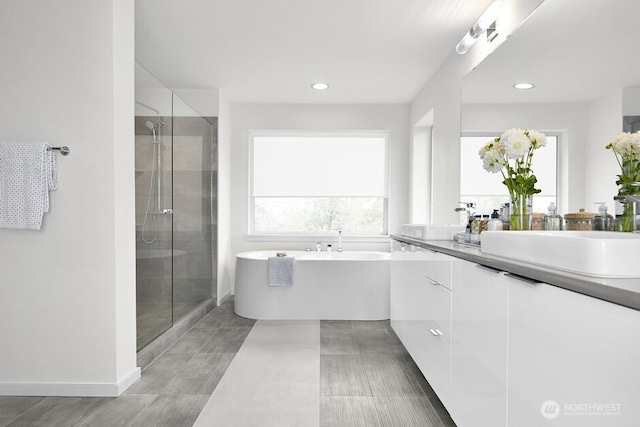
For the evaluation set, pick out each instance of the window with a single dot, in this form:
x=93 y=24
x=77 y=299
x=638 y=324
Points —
x=487 y=190
x=319 y=183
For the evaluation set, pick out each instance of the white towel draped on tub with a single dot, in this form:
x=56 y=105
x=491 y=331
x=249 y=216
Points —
x=28 y=171
x=281 y=270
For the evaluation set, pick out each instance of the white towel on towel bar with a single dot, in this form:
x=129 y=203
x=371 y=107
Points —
x=281 y=270
x=28 y=171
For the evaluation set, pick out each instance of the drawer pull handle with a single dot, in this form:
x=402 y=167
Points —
x=523 y=279
x=491 y=269
x=433 y=282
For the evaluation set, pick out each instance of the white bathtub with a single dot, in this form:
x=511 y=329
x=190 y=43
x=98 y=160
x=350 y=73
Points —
x=327 y=286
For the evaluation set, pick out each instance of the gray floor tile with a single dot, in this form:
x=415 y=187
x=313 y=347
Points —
x=190 y=342
x=406 y=412
x=336 y=324
x=376 y=341
x=343 y=375
x=225 y=339
x=200 y=375
x=157 y=376
x=338 y=341
x=13 y=406
x=389 y=376
x=116 y=412
x=351 y=411
x=56 y=411
x=171 y=411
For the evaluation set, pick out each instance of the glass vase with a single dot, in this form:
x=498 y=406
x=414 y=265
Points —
x=520 y=212
x=629 y=195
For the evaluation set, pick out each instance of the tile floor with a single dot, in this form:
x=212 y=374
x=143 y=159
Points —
x=228 y=370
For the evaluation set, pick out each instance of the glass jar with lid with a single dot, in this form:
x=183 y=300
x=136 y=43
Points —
x=580 y=220
x=537 y=221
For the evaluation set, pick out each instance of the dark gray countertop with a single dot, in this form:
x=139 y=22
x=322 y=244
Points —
x=625 y=292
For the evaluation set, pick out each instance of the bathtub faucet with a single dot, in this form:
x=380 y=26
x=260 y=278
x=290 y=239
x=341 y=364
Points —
x=339 y=241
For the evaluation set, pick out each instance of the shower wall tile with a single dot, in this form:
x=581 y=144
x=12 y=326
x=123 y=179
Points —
x=192 y=183
x=190 y=214
x=192 y=289
x=187 y=153
x=197 y=264
x=153 y=266
x=153 y=290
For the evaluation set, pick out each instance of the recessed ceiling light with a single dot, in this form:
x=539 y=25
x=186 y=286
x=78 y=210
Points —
x=523 y=86
x=320 y=86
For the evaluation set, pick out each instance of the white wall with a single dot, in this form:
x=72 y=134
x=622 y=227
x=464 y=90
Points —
x=226 y=259
x=442 y=95
x=601 y=168
x=247 y=117
x=67 y=293
x=570 y=120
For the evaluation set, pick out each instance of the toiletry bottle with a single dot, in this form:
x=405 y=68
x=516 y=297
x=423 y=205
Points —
x=603 y=221
x=552 y=221
x=329 y=248
x=496 y=223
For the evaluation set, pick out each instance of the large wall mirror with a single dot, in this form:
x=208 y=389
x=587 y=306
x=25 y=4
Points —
x=582 y=58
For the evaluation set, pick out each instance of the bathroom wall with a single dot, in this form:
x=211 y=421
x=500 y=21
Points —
x=441 y=94
x=246 y=117
x=67 y=294
x=601 y=167
x=226 y=259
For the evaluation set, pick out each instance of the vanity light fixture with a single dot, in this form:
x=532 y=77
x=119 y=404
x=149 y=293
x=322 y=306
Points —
x=486 y=24
x=320 y=86
x=524 y=86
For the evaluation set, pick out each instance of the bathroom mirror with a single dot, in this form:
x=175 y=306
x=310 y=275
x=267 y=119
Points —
x=582 y=59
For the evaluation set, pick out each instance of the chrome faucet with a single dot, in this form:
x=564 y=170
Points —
x=339 y=241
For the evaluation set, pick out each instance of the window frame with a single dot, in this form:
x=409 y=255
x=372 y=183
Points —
x=252 y=235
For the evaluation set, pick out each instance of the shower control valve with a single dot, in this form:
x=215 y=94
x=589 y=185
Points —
x=167 y=211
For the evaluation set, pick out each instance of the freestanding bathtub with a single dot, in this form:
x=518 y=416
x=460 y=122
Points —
x=327 y=286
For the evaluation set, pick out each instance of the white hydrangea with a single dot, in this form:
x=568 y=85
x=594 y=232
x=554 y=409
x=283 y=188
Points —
x=515 y=143
x=538 y=139
x=492 y=161
x=626 y=144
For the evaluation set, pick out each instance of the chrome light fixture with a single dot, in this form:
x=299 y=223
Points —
x=485 y=24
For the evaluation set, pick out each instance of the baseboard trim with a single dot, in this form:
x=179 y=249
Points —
x=70 y=389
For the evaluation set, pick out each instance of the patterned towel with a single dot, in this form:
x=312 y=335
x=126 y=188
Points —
x=281 y=270
x=28 y=171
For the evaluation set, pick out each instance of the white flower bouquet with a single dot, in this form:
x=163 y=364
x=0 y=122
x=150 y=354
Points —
x=512 y=153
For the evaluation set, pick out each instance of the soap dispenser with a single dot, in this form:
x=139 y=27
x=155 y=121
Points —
x=495 y=224
x=603 y=221
x=552 y=221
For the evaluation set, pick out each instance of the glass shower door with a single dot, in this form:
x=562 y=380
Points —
x=154 y=207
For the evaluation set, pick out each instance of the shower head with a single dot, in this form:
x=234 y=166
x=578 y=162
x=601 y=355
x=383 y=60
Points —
x=152 y=127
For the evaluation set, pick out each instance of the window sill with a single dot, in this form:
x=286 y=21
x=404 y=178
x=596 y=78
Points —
x=315 y=238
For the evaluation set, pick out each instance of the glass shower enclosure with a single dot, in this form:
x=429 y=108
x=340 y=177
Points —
x=176 y=177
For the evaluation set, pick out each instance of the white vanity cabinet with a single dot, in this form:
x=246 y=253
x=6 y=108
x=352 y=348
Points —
x=573 y=360
x=479 y=346
x=421 y=312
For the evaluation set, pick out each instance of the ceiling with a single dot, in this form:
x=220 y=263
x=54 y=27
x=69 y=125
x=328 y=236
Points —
x=571 y=52
x=380 y=51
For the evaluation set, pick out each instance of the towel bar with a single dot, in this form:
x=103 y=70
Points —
x=64 y=150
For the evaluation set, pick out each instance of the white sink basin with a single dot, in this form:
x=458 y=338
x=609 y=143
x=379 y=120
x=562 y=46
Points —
x=591 y=253
x=430 y=231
